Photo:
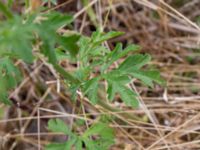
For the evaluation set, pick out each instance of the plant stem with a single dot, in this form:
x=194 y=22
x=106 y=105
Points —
x=102 y=103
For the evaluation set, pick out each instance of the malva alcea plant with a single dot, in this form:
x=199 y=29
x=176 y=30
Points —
x=18 y=35
x=88 y=51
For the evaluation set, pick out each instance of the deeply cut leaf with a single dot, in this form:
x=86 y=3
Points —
x=9 y=78
x=148 y=77
x=57 y=125
x=91 y=89
x=128 y=96
x=134 y=62
x=104 y=137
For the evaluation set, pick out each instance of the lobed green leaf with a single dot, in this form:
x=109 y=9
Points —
x=57 y=125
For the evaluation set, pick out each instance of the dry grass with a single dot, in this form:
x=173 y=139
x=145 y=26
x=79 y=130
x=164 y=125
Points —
x=170 y=116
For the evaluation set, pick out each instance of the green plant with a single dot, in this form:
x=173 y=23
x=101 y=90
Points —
x=94 y=58
x=99 y=136
x=18 y=36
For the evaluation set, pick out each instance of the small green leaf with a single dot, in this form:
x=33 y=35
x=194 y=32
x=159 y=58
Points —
x=117 y=84
x=79 y=145
x=99 y=51
x=118 y=53
x=84 y=44
x=101 y=129
x=114 y=79
x=155 y=76
x=73 y=89
x=90 y=88
x=47 y=29
x=83 y=73
x=55 y=20
x=99 y=37
x=9 y=78
x=134 y=62
x=4 y=98
x=16 y=39
x=112 y=90
x=128 y=96
x=57 y=125
x=147 y=77
x=104 y=139
x=80 y=122
x=129 y=48
x=56 y=146
x=61 y=54
x=112 y=57
x=105 y=136
x=90 y=144
x=69 y=43
x=118 y=77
